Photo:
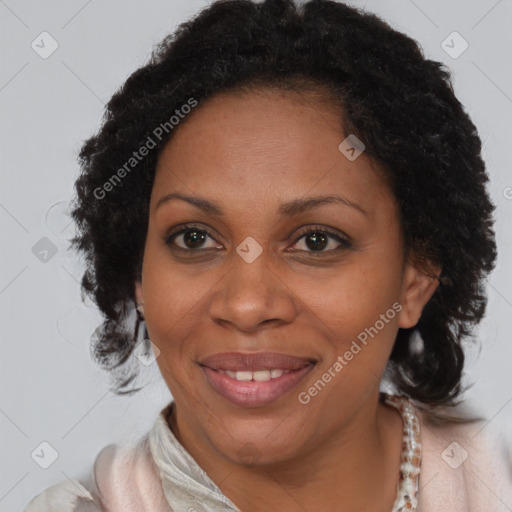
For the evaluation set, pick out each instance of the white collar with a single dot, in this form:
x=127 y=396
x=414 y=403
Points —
x=186 y=485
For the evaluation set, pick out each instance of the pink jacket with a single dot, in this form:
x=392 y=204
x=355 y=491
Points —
x=463 y=469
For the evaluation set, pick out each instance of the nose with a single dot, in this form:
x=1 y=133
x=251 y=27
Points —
x=253 y=294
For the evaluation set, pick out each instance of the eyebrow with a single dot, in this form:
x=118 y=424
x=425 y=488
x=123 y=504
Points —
x=288 y=209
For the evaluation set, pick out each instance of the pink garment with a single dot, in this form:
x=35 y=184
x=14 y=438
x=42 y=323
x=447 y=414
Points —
x=481 y=483
x=463 y=469
x=133 y=479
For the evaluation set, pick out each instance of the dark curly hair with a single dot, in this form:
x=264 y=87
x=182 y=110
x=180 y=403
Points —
x=399 y=103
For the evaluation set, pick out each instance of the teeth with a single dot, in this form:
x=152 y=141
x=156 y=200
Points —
x=261 y=375
x=258 y=375
x=243 y=375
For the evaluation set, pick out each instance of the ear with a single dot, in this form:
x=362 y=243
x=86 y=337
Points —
x=417 y=288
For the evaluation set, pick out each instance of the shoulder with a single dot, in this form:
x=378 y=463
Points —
x=124 y=478
x=67 y=496
x=465 y=466
x=128 y=479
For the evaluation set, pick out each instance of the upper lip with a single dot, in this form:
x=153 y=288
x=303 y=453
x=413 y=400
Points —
x=238 y=361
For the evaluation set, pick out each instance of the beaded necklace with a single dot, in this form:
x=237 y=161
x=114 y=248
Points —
x=407 y=489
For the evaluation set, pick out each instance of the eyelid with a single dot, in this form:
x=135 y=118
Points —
x=344 y=240
x=179 y=230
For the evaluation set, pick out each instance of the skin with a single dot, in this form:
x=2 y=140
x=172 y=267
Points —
x=249 y=152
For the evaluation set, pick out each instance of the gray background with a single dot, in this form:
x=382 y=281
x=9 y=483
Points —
x=50 y=389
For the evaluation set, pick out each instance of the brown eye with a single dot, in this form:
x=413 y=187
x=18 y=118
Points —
x=316 y=240
x=189 y=238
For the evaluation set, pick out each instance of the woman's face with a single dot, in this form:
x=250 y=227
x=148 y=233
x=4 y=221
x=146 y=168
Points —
x=271 y=338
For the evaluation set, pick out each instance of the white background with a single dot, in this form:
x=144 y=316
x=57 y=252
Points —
x=50 y=390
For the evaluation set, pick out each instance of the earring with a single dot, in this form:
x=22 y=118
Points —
x=140 y=307
x=416 y=344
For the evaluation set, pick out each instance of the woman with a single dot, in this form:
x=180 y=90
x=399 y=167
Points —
x=292 y=202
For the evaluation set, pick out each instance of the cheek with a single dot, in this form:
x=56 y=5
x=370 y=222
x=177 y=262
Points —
x=171 y=298
x=171 y=288
x=360 y=317
x=353 y=296
x=358 y=308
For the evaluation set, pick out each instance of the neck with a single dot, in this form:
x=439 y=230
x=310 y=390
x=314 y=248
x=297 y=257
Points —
x=353 y=468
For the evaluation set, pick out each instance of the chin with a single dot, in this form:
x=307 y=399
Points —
x=264 y=443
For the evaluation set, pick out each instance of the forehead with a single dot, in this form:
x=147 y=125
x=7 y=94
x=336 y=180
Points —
x=264 y=144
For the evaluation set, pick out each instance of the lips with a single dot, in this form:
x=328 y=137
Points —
x=255 y=380
x=238 y=362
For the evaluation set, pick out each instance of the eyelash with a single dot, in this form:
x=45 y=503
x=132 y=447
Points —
x=345 y=242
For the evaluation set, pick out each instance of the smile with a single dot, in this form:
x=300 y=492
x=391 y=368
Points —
x=255 y=380
x=259 y=375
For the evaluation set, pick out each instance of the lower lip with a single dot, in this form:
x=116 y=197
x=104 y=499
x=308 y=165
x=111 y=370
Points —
x=251 y=393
